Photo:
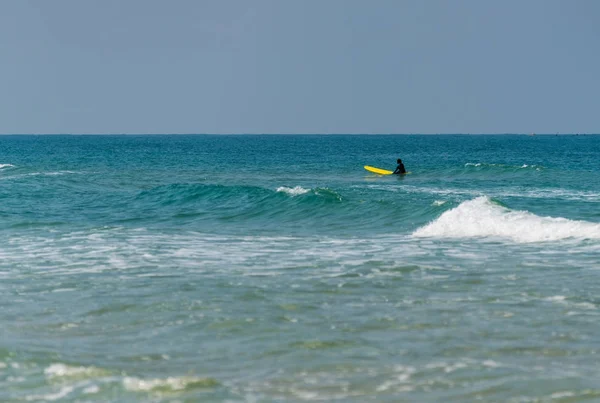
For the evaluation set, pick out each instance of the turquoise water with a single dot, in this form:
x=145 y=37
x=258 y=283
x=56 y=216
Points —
x=274 y=268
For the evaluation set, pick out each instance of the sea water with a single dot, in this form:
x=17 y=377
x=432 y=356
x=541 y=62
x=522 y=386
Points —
x=275 y=268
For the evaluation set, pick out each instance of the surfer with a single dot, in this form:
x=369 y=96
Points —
x=400 y=168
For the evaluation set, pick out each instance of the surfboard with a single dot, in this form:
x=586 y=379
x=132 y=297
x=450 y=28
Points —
x=378 y=170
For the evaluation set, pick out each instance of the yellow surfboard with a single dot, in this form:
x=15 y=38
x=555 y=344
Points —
x=378 y=170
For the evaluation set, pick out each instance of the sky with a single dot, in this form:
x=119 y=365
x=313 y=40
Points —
x=299 y=66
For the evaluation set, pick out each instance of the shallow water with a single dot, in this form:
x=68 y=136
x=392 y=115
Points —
x=269 y=268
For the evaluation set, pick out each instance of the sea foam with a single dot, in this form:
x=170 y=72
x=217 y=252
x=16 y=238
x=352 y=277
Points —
x=170 y=384
x=482 y=218
x=58 y=370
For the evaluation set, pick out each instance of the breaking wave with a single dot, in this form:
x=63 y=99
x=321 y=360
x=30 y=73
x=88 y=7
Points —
x=482 y=218
x=295 y=191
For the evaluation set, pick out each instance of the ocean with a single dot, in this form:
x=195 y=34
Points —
x=259 y=268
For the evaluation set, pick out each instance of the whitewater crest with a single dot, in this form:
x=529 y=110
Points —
x=2 y=166
x=295 y=191
x=483 y=164
x=482 y=218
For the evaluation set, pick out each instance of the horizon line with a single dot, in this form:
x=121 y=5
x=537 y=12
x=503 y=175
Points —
x=302 y=134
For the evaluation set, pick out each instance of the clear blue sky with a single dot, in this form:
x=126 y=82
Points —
x=299 y=66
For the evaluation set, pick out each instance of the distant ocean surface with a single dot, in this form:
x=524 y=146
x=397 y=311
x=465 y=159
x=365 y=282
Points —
x=275 y=268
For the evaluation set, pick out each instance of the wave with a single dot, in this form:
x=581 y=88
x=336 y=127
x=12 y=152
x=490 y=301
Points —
x=2 y=166
x=54 y=173
x=59 y=370
x=235 y=202
x=503 y=166
x=36 y=174
x=182 y=193
x=295 y=191
x=484 y=164
x=502 y=192
x=482 y=218
x=323 y=193
x=170 y=384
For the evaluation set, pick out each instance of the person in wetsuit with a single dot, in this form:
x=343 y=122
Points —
x=400 y=168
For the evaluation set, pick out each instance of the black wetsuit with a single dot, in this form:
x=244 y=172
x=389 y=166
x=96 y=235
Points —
x=400 y=169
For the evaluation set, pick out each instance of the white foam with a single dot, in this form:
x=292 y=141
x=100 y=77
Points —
x=172 y=384
x=535 y=193
x=478 y=164
x=63 y=392
x=481 y=218
x=91 y=390
x=6 y=166
x=295 y=191
x=50 y=173
x=57 y=173
x=58 y=370
x=562 y=395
